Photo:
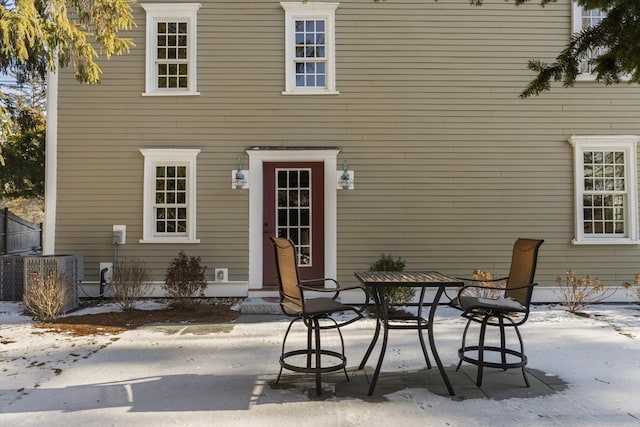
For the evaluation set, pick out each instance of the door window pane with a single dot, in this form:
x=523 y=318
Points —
x=293 y=210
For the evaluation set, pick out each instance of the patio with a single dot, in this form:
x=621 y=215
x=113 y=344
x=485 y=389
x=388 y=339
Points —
x=583 y=371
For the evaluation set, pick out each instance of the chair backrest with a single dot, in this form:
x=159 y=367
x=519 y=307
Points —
x=287 y=269
x=523 y=269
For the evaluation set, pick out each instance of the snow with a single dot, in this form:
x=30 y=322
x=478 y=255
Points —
x=224 y=374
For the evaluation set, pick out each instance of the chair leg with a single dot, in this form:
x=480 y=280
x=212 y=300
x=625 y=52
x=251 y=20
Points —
x=522 y=356
x=483 y=330
x=284 y=342
x=464 y=343
x=337 y=328
x=503 y=345
x=342 y=348
x=316 y=329
x=309 y=343
x=279 y=375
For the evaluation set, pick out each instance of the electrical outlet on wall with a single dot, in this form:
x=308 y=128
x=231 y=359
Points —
x=222 y=274
x=108 y=275
x=119 y=234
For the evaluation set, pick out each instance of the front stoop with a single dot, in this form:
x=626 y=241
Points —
x=260 y=305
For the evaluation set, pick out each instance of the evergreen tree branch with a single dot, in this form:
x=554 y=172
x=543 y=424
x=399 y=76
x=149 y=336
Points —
x=36 y=35
x=616 y=39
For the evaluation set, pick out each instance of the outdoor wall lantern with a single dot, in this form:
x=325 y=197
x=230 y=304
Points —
x=239 y=177
x=345 y=178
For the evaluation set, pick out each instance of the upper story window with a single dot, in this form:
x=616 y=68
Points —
x=606 y=189
x=583 y=19
x=169 y=211
x=171 y=48
x=309 y=47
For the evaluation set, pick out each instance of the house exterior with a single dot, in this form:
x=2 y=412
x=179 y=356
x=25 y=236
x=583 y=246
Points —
x=416 y=100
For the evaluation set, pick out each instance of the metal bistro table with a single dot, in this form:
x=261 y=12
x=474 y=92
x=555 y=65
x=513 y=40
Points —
x=376 y=281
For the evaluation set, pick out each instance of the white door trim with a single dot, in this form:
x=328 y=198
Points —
x=257 y=156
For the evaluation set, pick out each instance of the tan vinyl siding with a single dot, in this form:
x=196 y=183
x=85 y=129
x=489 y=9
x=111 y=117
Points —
x=451 y=165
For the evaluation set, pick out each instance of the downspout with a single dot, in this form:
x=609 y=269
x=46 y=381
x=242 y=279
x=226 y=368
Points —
x=51 y=166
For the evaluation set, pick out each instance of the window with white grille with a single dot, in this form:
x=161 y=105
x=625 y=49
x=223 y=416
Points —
x=170 y=206
x=583 y=19
x=606 y=189
x=309 y=47
x=171 y=49
x=169 y=211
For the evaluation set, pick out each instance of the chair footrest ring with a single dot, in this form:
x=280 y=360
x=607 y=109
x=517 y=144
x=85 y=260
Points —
x=340 y=361
x=474 y=361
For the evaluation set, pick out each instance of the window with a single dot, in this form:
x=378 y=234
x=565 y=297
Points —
x=606 y=189
x=171 y=49
x=293 y=210
x=309 y=48
x=169 y=212
x=582 y=19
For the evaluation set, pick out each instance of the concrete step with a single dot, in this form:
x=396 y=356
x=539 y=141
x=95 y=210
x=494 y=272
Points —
x=260 y=305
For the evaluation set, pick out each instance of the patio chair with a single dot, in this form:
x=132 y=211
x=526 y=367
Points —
x=508 y=310
x=314 y=312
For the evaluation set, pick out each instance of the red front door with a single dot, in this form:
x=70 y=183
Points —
x=293 y=207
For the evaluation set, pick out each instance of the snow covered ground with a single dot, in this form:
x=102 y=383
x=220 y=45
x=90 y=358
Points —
x=223 y=375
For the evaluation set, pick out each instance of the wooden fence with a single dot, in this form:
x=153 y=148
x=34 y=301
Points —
x=17 y=235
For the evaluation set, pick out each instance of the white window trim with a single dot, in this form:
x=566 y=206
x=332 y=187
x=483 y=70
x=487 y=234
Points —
x=296 y=10
x=628 y=144
x=155 y=12
x=179 y=157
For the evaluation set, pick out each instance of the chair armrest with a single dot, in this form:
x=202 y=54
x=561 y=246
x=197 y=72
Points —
x=465 y=287
x=319 y=281
x=303 y=285
x=467 y=279
x=338 y=288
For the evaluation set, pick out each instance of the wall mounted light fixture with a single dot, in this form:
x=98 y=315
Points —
x=345 y=178
x=239 y=177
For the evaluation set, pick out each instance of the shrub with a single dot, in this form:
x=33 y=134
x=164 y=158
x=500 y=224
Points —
x=185 y=277
x=45 y=298
x=394 y=295
x=577 y=293
x=484 y=279
x=633 y=288
x=130 y=282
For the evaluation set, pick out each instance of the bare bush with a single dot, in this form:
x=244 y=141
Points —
x=45 y=298
x=185 y=277
x=130 y=282
x=633 y=288
x=577 y=293
x=483 y=282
